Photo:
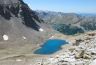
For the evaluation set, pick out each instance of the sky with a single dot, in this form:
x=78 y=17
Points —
x=66 y=6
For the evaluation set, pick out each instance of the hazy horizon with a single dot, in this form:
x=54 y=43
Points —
x=66 y=6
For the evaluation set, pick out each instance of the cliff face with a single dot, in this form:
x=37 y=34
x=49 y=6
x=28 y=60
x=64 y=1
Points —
x=7 y=2
x=17 y=8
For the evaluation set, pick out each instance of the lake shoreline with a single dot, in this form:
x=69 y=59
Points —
x=69 y=39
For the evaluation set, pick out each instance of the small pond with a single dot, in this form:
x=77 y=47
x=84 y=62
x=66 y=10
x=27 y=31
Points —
x=51 y=46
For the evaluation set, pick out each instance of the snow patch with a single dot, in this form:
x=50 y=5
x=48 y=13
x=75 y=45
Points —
x=51 y=37
x=24 y=37
x=41 y=30
x=5 y=37
x=18 y=60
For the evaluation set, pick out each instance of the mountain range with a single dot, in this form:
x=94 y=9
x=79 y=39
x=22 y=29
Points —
x=69 y=23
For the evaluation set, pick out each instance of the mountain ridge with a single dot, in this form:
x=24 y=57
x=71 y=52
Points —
x=63 y=22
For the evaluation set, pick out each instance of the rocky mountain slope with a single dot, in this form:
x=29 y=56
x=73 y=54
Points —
x=20 y=28
x=64 y=22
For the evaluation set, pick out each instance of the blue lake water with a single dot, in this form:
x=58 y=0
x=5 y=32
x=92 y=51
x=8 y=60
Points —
x=51 y=46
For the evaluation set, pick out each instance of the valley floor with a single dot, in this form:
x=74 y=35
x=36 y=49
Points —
x=81 y=50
